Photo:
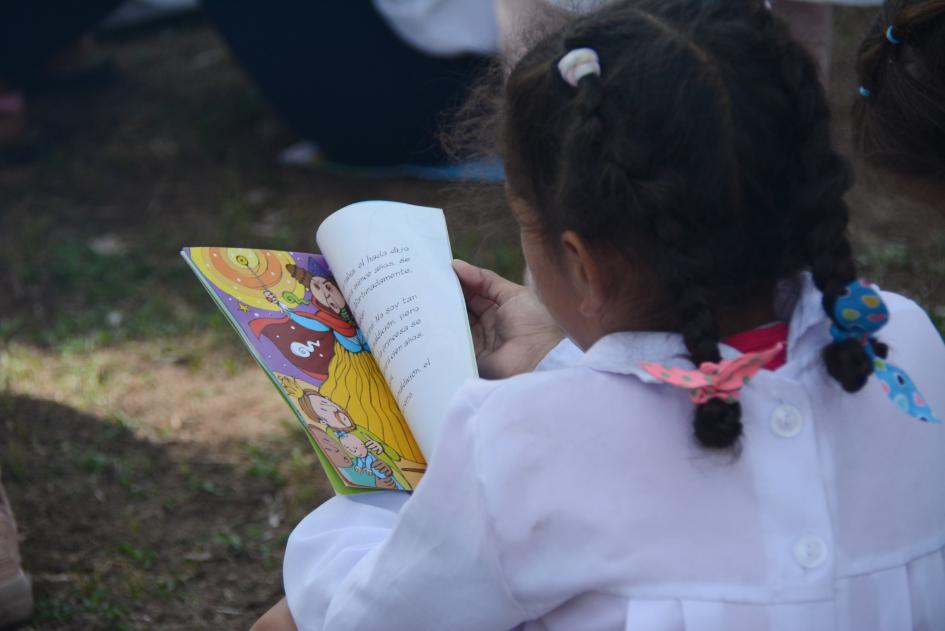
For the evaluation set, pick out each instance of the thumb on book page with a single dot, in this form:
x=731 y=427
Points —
x=483 y=288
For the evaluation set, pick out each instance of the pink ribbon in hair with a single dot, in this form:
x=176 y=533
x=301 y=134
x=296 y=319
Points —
x=723 y=380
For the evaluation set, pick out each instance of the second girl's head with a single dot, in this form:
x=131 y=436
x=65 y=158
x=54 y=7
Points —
x=899 y=117
x=695 y=167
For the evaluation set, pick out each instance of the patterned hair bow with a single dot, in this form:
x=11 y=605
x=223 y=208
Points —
x=723 y=380
x=858 y=314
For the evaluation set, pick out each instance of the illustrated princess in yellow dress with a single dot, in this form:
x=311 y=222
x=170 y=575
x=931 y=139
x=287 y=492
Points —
x=354 y=381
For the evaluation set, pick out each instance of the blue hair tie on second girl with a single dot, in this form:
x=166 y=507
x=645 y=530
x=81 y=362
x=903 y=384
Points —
x=895 y=41
x=858 y=314
x=891 y=36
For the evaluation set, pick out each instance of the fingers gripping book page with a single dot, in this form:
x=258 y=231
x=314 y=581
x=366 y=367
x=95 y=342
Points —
x=393 y=264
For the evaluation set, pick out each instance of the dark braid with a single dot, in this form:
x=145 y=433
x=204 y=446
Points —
x=717 y=423
x=900 y=124
x=825 y=215
x=702 y=151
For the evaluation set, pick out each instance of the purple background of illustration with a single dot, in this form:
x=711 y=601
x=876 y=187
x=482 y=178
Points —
x=268 y=352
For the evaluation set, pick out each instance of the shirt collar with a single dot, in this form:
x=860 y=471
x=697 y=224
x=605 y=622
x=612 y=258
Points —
x=796 y=300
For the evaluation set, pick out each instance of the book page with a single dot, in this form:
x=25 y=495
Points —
x=393 y=263
x=292 y=318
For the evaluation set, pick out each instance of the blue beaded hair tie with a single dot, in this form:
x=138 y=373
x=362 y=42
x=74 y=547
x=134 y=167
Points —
x=891 y=37
x=858 y=314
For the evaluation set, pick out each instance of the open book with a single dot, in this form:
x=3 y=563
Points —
x=366 y=342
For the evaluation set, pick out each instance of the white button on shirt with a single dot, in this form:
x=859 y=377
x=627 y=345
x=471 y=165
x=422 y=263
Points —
x=786 y=421
x=810 y=552
x=576 y=499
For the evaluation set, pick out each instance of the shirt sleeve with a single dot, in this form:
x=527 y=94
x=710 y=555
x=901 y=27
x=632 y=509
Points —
x=434 y=565
x=328 y=543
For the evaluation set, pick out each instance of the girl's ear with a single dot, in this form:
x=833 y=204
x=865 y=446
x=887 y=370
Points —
x=585 y=273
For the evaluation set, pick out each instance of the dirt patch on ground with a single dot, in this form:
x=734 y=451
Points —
x=162 y=396
x=121 y=532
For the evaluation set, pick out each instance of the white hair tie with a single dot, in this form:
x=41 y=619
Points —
x=577 y=64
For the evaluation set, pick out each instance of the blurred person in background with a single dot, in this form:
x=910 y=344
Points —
x=899 y=115
x=811 y=23
x=367 y=82
x=43 y=42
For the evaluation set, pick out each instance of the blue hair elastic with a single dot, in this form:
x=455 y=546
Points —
x=858 y=314
x=892 y=38
x=865 y=92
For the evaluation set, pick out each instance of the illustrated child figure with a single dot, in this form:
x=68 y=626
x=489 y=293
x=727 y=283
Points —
x=337 y=421
x=366 y=462
x=899 y=115
x=358 y=451
x=718 y=443
x=338 y=456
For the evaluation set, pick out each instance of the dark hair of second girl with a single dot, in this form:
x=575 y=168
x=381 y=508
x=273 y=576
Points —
x=899 y=119
x=702 y=151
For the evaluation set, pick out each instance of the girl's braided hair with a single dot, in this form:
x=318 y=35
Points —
x=702 y=151
x=899 y=124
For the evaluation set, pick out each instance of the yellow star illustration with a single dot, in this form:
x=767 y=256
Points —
x=244 y=308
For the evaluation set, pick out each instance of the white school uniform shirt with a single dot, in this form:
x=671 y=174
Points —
x=575 y=498
x=443 y=28
x=583 y=6
x=851 y=3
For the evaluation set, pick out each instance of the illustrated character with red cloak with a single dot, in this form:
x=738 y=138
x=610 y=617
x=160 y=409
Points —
x=307 y=338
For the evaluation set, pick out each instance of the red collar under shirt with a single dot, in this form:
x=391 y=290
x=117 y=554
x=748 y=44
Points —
x=761 y=339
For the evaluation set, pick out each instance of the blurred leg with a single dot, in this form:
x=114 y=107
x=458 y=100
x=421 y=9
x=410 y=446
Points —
x=343 y=79
x=811 y=24
x=16 y=597
x=33 y=31
x=12 y=114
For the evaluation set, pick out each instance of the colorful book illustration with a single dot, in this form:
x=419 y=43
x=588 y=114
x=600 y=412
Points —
x=366 y=342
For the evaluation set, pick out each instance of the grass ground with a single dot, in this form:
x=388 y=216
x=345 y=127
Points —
x=154 y=471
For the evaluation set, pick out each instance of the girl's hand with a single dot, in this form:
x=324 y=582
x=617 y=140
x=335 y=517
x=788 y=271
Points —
x=512 y=331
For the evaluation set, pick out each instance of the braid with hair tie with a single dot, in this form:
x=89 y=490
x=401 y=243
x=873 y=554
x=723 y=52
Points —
x=717 y=423
x=823 y=209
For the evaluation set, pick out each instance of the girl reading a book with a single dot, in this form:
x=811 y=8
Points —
x=732 y=437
